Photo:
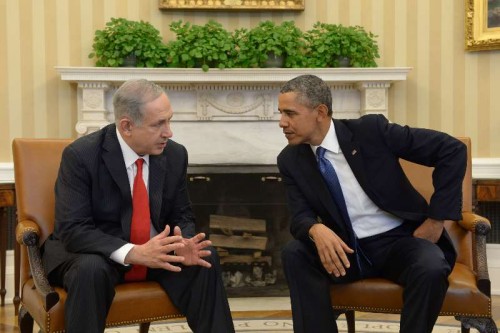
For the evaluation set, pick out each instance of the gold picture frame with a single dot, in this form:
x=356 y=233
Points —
x=232 y=4
x=482 y=25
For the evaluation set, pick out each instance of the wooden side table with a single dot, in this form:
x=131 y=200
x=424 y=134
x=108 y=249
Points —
x=8 y=199
x=487 y=190
x=486 y=198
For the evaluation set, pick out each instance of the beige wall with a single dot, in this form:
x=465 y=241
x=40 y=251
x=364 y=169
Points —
x=448 y=89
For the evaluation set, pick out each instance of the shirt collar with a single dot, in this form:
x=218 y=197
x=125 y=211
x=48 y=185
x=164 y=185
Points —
x=129 y=156
x=330 y=141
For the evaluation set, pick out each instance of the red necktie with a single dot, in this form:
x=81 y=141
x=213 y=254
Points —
x=140 y=226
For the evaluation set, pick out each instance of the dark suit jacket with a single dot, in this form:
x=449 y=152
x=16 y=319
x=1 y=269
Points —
x=372 y=147
x=93 y=200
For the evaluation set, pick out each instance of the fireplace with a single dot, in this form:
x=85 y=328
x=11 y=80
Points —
x=243 y=210
x=228 y=121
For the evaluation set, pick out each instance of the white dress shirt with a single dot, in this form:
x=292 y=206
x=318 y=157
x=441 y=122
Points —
x=366 y=217
x=130 y=156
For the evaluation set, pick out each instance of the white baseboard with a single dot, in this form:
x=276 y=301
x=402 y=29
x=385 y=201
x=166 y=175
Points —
x=493 y=255
x=9 y=277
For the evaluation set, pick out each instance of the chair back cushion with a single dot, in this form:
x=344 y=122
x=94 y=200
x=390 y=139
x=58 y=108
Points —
x=421 y=178
x=36 y=164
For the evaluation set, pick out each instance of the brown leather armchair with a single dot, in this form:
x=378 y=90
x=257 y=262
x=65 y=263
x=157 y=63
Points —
x=36 y=163
x=468 y=298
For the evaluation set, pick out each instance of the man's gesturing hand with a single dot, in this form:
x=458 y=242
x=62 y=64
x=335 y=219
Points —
x=158 y=252
x=194 y=249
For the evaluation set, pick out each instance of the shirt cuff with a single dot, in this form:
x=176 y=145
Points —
x=120 y=254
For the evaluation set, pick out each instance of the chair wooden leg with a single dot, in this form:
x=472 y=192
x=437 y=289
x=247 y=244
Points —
x=144 y=327
x=351 y=321
x=25 y=321
x=483 y=325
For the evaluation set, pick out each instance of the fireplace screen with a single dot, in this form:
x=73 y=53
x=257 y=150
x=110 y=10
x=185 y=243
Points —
x=246 y=218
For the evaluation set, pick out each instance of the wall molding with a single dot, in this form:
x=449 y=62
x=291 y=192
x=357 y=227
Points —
x=7 y=172
x=482 y=168
x=486 y=168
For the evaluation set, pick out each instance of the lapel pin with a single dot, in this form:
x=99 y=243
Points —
x=354 y=152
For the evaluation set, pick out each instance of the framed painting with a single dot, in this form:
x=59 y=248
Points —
x=482 y=25
x=232 y=4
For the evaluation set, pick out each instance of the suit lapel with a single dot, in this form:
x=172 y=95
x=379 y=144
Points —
x=157 y=177
x=352 y=153
x=113 y=159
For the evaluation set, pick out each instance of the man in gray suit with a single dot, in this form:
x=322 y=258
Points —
x=354 y=214
x=91 y=249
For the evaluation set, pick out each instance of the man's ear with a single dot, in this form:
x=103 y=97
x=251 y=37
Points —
x=125 y=126
x=322 y=111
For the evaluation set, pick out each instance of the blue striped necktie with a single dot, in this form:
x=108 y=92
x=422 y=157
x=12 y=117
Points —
x=332 y=180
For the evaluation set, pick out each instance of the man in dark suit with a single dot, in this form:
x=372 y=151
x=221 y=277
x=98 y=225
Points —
x=91 y=249
x=379 y=225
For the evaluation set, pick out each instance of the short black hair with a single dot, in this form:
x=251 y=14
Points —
x=311 y=91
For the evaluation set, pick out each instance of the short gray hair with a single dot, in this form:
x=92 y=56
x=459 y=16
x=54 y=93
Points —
x=131 y=97
x=311 y=91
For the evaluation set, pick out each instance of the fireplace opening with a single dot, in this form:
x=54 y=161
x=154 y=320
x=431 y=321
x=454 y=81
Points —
x=243 y=211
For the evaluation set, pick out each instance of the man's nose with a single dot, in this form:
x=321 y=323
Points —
x=167 y=132
x=283 y=123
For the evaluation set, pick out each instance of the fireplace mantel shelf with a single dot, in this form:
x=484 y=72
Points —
x=229 y=116
x=232 y=75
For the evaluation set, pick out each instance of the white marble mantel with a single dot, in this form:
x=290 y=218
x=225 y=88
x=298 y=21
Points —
x=229 y=116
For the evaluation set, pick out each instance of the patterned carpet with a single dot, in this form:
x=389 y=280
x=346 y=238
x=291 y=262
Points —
x=282 y=326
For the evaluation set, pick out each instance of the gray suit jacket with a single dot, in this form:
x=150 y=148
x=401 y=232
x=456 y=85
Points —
x=93 y=200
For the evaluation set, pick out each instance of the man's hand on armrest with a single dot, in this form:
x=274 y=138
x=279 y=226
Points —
x=431 y=230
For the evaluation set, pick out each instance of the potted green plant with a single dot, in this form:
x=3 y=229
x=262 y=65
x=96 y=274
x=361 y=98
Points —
x=206 y=46
x=267 y=41
x=124 y=39
x=329 y=44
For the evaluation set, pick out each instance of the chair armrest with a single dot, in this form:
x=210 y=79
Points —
x=28 y=234
x=475 y=223
x=480 y=227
